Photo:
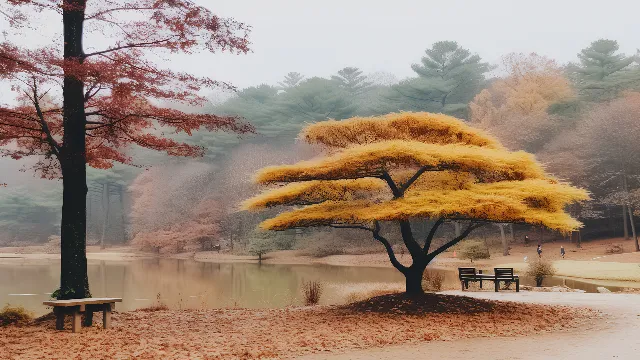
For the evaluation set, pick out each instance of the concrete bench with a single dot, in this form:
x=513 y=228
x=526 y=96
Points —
x=88 y=306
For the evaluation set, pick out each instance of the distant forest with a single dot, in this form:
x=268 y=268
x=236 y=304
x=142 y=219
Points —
x=581 y=119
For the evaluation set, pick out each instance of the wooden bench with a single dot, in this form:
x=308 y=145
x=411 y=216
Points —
x=467 y=275
x=87 y=306
x=506 y=275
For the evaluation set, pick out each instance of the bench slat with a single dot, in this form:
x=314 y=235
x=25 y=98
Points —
x=76 y=302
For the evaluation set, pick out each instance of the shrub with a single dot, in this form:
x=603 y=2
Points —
x=474 y=250
x=261 y=242
x=539 y=269
x=432 y=280
x=312 y=291
x=320 y=250
x=614 y=249
x=14 y=315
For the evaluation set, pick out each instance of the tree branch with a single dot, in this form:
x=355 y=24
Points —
x=376 y=235
x=454 y=241
x=413 y=179
x=392 y=185
x=432 y=233
x=128 y=46
x=387 y=246
x=55 y=148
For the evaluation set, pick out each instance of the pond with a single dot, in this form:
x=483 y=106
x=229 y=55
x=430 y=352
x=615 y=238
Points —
x=190 y=284
x=182 y=284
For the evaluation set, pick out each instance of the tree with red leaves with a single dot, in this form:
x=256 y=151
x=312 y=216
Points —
x=109 y=96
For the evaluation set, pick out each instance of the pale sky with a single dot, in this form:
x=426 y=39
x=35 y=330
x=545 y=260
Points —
x=319 y=38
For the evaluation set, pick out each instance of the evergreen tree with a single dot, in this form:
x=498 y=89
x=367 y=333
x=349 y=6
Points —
x=449 y=76
x=292 y=79
x=603 y=72
x=313 y=99
x=29 y=216
x=352 y=80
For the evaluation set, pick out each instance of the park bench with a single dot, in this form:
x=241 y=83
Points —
x=506 y=275
x=467 y=275
x=87 y=306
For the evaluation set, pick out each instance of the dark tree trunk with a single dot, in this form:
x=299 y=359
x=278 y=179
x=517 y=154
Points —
x=413 y=274
x=73 y=269
x=413 y=277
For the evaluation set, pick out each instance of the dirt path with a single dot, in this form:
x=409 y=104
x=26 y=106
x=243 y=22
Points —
x=616 y=338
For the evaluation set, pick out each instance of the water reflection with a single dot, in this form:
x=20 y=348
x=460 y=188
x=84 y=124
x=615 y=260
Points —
x=185 y=284
x=190 y=284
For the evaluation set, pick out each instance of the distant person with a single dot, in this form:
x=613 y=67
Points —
x=539 y=250
x=562 y=251
x=526 y=239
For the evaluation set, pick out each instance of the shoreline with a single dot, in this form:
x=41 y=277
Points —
x=604 y=273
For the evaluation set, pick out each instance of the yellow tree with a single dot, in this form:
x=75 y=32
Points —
x=408 y=166
x=515 y=107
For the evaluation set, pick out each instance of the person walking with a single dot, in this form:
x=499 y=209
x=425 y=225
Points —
x=526 y=239
x=562 y=251
x=539 y=250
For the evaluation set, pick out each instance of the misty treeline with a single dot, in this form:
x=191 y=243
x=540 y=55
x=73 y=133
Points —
x=581 y=119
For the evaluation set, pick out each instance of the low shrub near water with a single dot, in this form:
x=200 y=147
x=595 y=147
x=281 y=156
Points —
x=14 y=315
x=312 y=291
x=474 y=250
x=432 y=280
x=539 y=269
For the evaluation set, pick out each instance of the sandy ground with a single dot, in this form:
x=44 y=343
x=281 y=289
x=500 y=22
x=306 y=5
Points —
x=616 y=338
x=292 y=332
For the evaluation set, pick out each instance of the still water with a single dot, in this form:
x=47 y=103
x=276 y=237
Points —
x=183 y=284
x=190 y=284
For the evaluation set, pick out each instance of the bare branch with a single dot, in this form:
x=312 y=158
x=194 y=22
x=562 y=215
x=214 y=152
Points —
x=455 y=240
x=432 y=233
x=392 y=185
x=55 y=147
x=128 y=46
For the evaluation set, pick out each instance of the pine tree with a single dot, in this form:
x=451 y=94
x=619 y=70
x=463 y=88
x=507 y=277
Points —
x=352 y=80
x=449 y=76
x=603 y=72
x=292 y=79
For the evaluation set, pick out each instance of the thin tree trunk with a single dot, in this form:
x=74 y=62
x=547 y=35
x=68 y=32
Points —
x=505 y=246
x=633 y=227
x=122 y=214
x=624 y=222
x=105 y=211
x=579 y=243
x=456 y=227
x=511 y=234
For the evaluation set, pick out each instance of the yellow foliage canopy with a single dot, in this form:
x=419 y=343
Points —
x=423 y=127
x=536 y=202
x=371 y=160
x=375 y=174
